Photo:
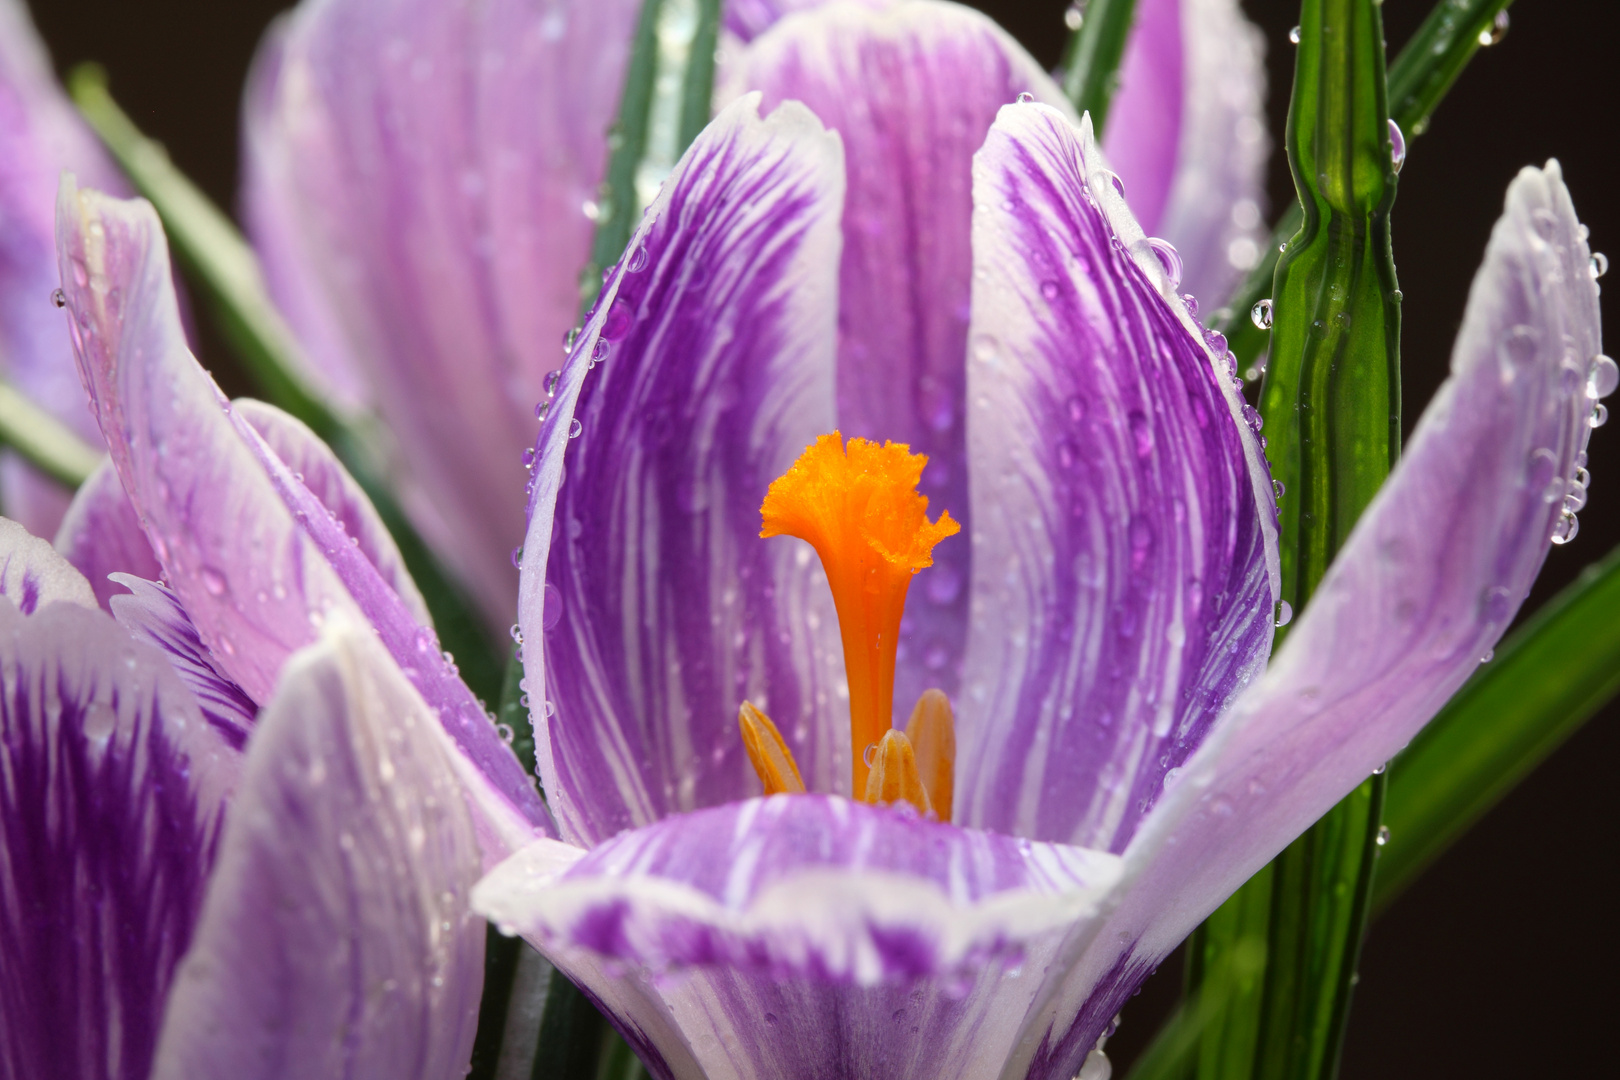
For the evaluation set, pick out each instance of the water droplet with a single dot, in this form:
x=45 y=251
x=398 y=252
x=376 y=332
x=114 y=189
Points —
x=1598 y=265
x=1217 y=345
x=1496 y=605
x=551 y=606
x=506 y=733
x=869 y=754
x=1261 y=314
x=1074 y=17
x=549 y=708
x=1383 y=835
x=1169 y=257
x=600 y=350
x=59 y=298
x=529 y=455
x=1277 y=488
x=569 y=339
x=1495 y=32
x=1397 y=146
x=213 y=581
x=1191 y=302
x=517 y=557
x=517 y=633
x=541 y=410
x=637 y=262
x=619 y=319
x=1285 y=613
x=1602 y=377
x=1025 y=98
x=574 y=428
x=1490 y=654
x=552 y=380
x=1574 y=497
x=1050 y=290
x=1599 y=417
x=1097 y=1067
x=1565 y=528
x=1293 y=36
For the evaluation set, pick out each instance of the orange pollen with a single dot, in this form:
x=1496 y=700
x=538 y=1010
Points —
x=859 y=507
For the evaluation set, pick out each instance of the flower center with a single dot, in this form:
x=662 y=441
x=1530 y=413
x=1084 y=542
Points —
x=859 y=507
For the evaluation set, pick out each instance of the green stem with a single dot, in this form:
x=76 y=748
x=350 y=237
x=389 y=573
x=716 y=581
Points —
x=1091 y=60
x=44 y=441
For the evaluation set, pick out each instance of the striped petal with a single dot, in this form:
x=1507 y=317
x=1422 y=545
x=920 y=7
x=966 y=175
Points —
x=151 y=613
x=40 y=135
x=257 y=560
x=911 y=88
x=1125 y=545
x=418 y=177
x=101 y=535
x=1426 y=584
x=335 y=940
x=1187 y=135
x=805 y=936
x=650 y=607
x=33 y=575
x=111 y=796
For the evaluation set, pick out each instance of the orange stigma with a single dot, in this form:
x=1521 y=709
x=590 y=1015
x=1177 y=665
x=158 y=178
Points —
x=860 y=509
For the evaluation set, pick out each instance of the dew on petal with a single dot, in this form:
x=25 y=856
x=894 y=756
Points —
x=1261 y=314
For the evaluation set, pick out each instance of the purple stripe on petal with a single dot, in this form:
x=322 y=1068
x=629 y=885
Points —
x=1426 y=584
x=1125 y=545
x=315 y=466
x=40 y=135
x=101 y=535
x=111 y=795
x=1144 y=131
x=649 y=598
x=335 y=940
x=837 y=938
x=1216 y=213
x=151 y=613
x=257 y=561
x=424 y=169
x=911 y=88
x=32 y=574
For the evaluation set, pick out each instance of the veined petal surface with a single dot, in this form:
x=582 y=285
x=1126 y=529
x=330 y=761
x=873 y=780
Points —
x=651 y=608
x=32 y=574
x=806 y=935
x=1428 y=581
x=102 y=535
x=1187 y=135
x=40 y=135
x=428 y=166
x=335 y=940
x=1125 y=546
x=256 y=559
x=111 y=796
x=153 y=614
x=912 y=89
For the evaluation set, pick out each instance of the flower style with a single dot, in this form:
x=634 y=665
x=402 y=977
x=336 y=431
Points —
x=1128 y=757
x=173 y=906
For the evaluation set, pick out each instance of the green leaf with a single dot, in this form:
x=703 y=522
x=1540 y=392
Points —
x=1418 y=80
x=1331 y=405
x=221 y=263
x=1545 y=680
x=668 y=87
x=44 y=441
x=1091 y=60
x=1176 y=1045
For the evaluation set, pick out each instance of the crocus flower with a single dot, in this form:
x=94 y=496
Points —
x=1128 y=751
x=40 y=135
x=422 y=186
x=172 y=906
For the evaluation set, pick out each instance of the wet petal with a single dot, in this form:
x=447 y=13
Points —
x=806 y=936
x=911 y=88
x=101 y=535
x=1187 y=135
x=422 y=168
x=335 y=940
x=318 y=469
x=32 y=574
x=1426 y=584
x=651 y=609
x=40 y=135
x=151 y=613
x=111 y=789
x=258 y=562
x=1125 y=546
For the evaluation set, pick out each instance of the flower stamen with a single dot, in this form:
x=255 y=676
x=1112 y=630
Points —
x=932 y=733
x=860 y=509
x=772 y=759
x=893 y=777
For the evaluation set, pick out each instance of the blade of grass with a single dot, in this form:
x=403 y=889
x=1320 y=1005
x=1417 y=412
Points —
x=1091 y=59
x=44 y=441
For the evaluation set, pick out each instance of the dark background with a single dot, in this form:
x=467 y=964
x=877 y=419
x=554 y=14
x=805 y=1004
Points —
x=1500 y=959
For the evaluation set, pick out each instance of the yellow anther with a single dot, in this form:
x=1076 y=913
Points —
x=932 y=733
x=893 y=775
x=772 y=759
x=860 y=509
